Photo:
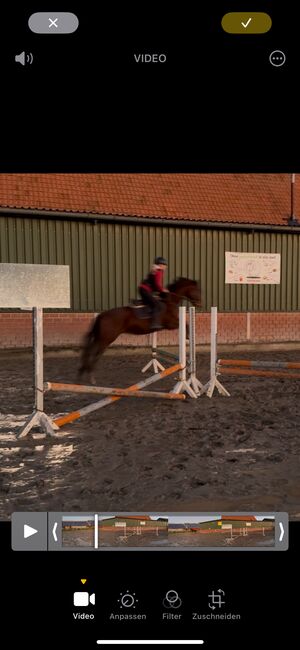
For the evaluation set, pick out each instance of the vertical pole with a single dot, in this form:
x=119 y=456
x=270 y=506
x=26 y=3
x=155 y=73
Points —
x=248 y=326
x=293 y=221
x=182 y=342
x=154 y=343
x=193 y=381
x=292 y=196
x=153 y=363
x=183 y=385
x=213 y=342
x=214 y=382
x=192 y=341
x=38 y=417
x=38 y=358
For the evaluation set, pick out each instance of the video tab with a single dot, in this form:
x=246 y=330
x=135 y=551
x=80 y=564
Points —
x=129 y=531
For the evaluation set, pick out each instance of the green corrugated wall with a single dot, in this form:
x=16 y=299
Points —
x=108 y=260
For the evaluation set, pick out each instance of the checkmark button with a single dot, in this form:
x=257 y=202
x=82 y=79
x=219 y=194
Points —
x=240 y=22
x=245 y=25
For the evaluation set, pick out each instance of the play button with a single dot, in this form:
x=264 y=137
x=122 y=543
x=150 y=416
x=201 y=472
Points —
x=28 y=531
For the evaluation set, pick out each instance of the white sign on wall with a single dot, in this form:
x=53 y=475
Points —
x=252 y=268
x=34 y=285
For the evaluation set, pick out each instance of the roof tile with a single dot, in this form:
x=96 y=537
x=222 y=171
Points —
x=235 y=198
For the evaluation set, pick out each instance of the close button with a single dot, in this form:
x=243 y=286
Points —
x=60 y=22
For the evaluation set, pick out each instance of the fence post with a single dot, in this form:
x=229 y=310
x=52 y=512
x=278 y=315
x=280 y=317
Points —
x=183 y=384
x=153 y=363
x=193 y=381
x=213 y=381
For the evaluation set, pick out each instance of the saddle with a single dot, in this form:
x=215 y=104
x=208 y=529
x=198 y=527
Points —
x=141 y=311
x=136 y=302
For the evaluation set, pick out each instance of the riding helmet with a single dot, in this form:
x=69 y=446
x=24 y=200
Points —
x=161 y=260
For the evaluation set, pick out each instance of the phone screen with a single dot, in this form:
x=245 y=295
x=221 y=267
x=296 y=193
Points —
x=149 y=324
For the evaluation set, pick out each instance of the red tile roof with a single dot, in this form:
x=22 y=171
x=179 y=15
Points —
x=238 y=518
x=236 y=198
x=139 y=517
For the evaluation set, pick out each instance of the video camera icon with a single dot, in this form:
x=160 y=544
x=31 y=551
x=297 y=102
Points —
x=83 y=599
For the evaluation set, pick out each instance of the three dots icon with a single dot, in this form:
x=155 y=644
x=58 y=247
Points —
x=277 y=58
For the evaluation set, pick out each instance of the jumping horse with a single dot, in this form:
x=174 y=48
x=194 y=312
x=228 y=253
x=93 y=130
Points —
x=134 y=319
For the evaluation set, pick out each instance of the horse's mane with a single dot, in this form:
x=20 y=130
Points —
x=178 y=282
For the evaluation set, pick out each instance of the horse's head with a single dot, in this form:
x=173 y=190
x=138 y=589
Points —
x=186 y=288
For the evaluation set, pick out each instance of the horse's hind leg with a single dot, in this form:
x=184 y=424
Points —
x=102 y=334
x=95 y=352
x=90 y=357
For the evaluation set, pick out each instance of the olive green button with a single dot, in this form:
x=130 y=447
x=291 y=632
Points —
x=242 y=22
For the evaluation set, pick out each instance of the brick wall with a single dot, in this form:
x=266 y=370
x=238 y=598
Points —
x=66 y=330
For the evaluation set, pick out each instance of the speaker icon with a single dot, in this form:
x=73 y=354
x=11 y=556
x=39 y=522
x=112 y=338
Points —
x=24 y=58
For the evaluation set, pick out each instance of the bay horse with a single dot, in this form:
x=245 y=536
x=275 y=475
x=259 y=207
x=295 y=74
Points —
x=133 y=319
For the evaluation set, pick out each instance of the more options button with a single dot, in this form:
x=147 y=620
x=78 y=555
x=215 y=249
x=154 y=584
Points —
x=277 y=58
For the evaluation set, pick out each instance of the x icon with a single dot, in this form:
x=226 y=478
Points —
x=53 y=23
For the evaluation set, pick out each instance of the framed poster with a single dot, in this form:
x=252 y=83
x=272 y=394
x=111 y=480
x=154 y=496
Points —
x=252 y=268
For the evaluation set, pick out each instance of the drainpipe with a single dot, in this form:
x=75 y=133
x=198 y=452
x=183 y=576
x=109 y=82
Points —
x=293 y=221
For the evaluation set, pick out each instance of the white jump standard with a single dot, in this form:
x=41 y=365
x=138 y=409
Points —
x=243 y=367
x=192 y=385
x=214 y=381
x=154 y=362
x=183 y=385
x=193 y=381
x=38 y=417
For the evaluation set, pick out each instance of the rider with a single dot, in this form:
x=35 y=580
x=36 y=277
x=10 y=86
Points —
x=154 y=283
